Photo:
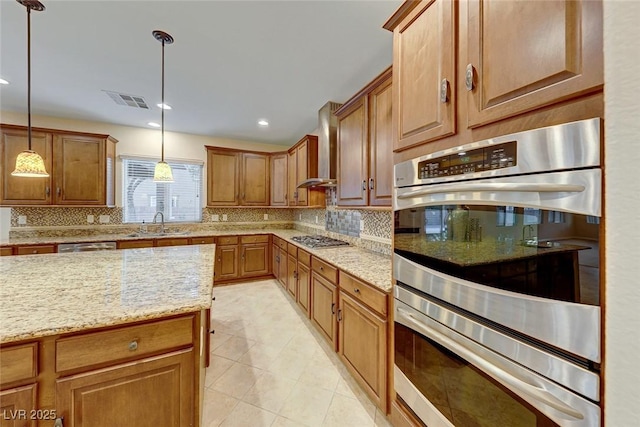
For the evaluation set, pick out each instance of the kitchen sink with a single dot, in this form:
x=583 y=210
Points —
x=540 y=243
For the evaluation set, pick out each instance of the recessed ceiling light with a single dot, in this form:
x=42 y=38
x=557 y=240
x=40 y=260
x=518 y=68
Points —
x=3 y=82
x=164 y=106
x=263 y=122
x=154 y=124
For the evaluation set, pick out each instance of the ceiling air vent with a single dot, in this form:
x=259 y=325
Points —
x=134 y=101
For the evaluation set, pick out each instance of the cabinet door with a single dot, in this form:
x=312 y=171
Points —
x=255 y=180
x=324 y=304
x=19 y=190
x=254 y=260
x=292 y=177
x=15 y=400
x=292 y=275
x=363 y=347
x=279 y=180
x=154 y=392
x=227 y=262
x=223 y=171
x=283 y=268
x=275 y=260
x=529 y=54
x=80 y=169
x=304 y=287
x=353 y=156
x=424 y=61
x=380 y=183
x=302 y=158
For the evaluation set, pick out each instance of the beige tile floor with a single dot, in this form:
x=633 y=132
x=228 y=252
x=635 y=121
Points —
x=270 y=367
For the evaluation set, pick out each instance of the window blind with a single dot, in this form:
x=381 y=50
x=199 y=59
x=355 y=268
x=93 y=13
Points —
x=179 y=201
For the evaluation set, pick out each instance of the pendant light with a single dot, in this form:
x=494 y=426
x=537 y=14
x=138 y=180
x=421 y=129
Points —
x=29 y=163
x=162 y=172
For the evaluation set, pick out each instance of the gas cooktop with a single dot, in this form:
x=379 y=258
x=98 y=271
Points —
x=317 y=241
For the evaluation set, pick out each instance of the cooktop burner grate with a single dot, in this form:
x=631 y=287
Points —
x=317 y=241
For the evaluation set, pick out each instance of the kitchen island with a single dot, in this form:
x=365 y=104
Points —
x=105 y=338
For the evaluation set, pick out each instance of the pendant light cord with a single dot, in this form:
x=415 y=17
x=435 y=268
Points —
x=29 y=75
x=162 y=106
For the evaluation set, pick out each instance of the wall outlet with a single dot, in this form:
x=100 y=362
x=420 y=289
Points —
x=22 y=220
x=224 y=217
x=215 y=217
x=362 y=225
x=316 y=219
x=105 y=219
x=90 y=219
x=266 y=217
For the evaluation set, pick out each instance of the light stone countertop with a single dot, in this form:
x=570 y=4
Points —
x=51 y=294
x=369 y=266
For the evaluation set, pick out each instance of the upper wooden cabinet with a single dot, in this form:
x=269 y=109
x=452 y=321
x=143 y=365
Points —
x=303 y=164
x=365 y=146
x=81 y=168
x=279 y=183
x=525 y=55
x=237 y=178
x=424 y=74
x=513 y=58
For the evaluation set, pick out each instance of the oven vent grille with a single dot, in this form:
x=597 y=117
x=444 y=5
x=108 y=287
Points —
x=134 y=101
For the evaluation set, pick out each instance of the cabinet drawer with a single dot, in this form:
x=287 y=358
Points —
x=41 y=249
x=324 y=269
x=203 y=240
x=262 y=238
x=173 y=242
x=6 y=251
x=228 y=240
x=18 y=363
x=365 y=293
x=134 y=244
x=132 y=342
x=304 y=257
x=283 y=244
x=292 y=249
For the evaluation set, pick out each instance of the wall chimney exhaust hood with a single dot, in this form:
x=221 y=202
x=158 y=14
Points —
x=327 y=133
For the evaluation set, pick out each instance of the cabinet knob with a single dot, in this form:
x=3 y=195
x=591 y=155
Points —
x=35 y=251
x=321 y=268
x=444 y=91
x=356 y=290
x=58 y=422
x=133 y=345
x=469 y=78
x=333 y=308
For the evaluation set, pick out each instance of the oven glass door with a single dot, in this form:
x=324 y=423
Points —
x=543 y=253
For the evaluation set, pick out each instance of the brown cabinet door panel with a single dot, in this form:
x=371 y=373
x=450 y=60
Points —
x=302 y=158
x=223 y=175
x=530 y=54
x=424 y=57
x=226 y=262
x=79 y=170
x=20 y=190
x=279 y=180
x=380 y=183
x=353 y=156
x=255 y=180
x=154 y=392
x=304 y=287
x=292 y=274
x=292 y=177
x=324 y=306
x=14 y=400
x=254 y=259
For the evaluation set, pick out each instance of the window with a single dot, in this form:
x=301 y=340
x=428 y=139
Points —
x=178 y=201
x=506 y=216
x=555 y=217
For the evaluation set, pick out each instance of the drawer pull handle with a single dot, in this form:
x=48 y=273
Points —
x=356 y=290
x=333 y=308
x=58 y=422
x=133 y=345
x=321 y=268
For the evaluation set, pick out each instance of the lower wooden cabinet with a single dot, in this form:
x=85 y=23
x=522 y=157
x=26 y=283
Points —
x=133 y=244
x=35 y=249
x=292 y=275
x=363 y=346
x=17 y=406
x=324 y=306
x=153 y=392
x=275 y=260
x=6 y=251
x=226 y=262
x=254 y=260
x=304 y=286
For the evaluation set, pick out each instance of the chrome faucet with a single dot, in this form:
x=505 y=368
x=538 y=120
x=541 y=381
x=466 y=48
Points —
x=531 y=230
x=161 y=220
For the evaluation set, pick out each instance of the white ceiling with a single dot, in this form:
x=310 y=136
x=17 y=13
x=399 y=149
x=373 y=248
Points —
x=232 y=62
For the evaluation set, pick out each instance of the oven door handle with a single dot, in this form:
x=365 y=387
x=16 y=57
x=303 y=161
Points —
x=495 y=187
x=508 y=378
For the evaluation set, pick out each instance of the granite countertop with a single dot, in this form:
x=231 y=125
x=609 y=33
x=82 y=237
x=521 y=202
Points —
x=369 y=266
x=467 y=254
x=52 y=294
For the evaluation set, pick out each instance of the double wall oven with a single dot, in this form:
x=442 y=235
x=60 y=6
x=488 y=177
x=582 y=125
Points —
x=497 y=296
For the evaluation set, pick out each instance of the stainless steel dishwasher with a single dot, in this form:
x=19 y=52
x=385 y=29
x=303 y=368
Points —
x=84 y=247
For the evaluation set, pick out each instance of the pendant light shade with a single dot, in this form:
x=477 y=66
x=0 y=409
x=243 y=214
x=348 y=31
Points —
x=162 y=172
x=29 y=163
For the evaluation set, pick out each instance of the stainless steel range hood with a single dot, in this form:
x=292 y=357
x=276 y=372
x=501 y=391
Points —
x=327 y=133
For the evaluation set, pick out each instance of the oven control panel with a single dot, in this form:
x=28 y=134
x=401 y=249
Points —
x=478 y=160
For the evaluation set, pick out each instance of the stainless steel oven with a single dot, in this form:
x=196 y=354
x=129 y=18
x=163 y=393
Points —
x=497 y=297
